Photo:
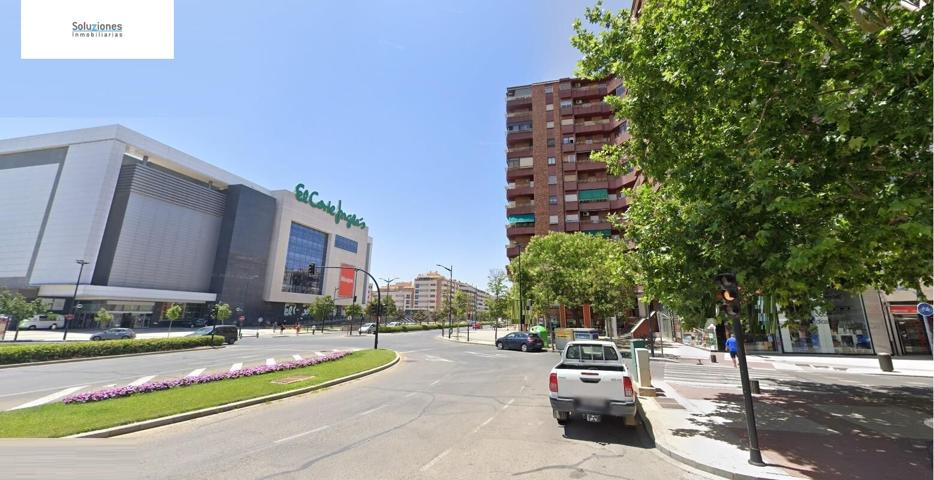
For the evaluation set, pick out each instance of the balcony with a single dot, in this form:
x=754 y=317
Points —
x=583 y=147
x=567 y=129
x=595 y=206
x=600 y=108
x=572 y=226
x=515 y=102
x=520 y=229
x=570 y=186
x=520 y=209
x=619 y=204
x=518 y=136
x=513 y=252
x=567 y=147
x=519 y=191
x=570 y=206
x=621 y=181
x=602 y=127
x=589 y=166
x=591 y=183
x=518 y=172
x=519 y=116
x=588 y=226
x=594 y=90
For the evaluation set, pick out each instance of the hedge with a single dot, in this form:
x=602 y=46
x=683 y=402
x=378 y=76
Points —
x=416 y=328
x=25 y=353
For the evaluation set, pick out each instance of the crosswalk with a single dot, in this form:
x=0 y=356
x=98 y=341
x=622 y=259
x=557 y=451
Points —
x=715 y=375
x=60 y=394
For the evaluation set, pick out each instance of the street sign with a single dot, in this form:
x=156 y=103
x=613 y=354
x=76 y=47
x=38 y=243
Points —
x=925 y=309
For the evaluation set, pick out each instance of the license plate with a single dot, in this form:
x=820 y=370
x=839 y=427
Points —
x=592 y=418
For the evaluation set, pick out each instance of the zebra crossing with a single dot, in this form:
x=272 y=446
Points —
x=716 y=375
x=58 y=395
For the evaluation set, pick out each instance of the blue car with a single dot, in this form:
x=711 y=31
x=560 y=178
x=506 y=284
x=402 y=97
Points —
x=520 y=341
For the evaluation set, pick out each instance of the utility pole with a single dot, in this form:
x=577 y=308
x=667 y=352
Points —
x=729 y=293
x=74 y=306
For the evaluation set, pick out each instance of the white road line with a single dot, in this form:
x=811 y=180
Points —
x=235 y=367
x=195 y=372
x=297 y=356
x=293 y=437
x=49 y=398
x=483 y=424
x=411 y=395
x=271 y=362
x=141 y=380
x=432 y=358
x=522 y=389
x=435 y=460
x=435 y=382
x=363 y=414
x=509 y=403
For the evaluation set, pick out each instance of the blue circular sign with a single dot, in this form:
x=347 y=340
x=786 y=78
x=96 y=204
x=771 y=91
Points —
x=925 y=309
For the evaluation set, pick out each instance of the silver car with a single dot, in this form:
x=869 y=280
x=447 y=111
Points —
x=367 y=328
x=114 y=334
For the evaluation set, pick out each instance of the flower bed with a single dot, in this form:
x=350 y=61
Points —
x=117 y=392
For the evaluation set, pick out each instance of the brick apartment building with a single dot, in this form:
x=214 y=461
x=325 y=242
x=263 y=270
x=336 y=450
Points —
x=551 y=184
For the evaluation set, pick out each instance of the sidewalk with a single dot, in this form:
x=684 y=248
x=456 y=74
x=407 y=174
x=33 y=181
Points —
x=819 y=431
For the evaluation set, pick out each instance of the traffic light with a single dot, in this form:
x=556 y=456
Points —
x=311 y=269
x=728 y=292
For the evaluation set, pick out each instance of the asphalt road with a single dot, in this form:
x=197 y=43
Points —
x=446 y=411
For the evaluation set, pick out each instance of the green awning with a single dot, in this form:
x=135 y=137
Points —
x=592 y=195
x=524 y=218
x=601 y=233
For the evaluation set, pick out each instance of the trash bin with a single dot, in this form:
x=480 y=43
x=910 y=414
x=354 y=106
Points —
x=885 y=362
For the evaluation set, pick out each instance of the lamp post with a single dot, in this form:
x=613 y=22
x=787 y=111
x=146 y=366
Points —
x=75 y=307
x=388 y=293
x=379 y=306
x=450 y=297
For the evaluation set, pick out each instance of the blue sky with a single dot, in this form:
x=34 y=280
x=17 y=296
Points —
x=394 y=107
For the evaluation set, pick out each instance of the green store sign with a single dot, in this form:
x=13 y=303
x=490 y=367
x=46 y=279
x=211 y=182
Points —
x=335 y=211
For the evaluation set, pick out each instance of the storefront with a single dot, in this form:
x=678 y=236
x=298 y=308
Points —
x=910 y=331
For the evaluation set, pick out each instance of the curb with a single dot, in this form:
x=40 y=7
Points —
x=123 y=355
x=204 y=412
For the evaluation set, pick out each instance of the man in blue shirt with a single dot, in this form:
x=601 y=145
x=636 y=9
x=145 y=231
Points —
x=731 y=347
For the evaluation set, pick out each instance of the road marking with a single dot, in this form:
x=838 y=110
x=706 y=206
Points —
x=141 y=380
x=271 y=362
x=297 y=356
x=235 y=367
x=49 y=398
x=435 y=382
x=432 y=358
x=786 y=366
x=293 y=437
x=363 y=414
x=509 y=403
x=435 y=460
x=484 y=424
x=522 y=389
x=195 y=372
x=410 y=395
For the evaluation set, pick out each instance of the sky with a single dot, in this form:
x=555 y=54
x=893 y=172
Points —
x=395 y=107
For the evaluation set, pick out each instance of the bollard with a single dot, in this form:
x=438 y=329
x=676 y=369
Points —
x=645 y=373
x=713 y=357
x=885 y=362
x=754 y=386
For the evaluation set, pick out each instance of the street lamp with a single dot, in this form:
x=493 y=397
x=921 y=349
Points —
x=450 y=298
x=75 y=306
x=312 y=268
x=388 y=294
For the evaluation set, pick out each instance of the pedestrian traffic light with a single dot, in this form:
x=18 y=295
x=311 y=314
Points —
x=728 y=292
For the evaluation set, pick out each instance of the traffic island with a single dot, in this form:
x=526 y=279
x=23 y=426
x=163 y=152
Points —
x=118 y=416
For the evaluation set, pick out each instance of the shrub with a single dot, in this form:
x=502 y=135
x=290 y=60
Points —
x=416 y=328
x=25 y=353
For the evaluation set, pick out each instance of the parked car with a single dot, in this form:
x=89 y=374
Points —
x=229 y=332
x=591 y=380
x=114 y=334
x=367 y=328
x=51 y=322
x=520 y=341
x=394 y=324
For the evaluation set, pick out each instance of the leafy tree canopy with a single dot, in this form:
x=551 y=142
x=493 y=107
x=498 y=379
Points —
x=791 y=141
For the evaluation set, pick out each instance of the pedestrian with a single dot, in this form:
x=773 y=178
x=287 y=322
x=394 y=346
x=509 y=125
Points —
x=275 y=326
x=731 y=346
x=298 y=327
x=281 y=328
x=312 y=329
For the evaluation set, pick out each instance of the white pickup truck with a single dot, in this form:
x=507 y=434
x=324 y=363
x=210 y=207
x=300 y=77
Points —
x=592 y=381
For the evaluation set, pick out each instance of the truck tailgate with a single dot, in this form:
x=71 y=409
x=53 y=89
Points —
x=591 y=384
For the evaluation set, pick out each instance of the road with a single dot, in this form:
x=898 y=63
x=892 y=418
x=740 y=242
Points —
x=447 y=410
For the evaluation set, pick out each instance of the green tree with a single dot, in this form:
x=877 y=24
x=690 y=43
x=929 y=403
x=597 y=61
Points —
x=222 y=312
x=389 y=307
x=790 y=142
x=497 y=306
x=15 y=305
x=104 y=318
x=420 y=316
x=322 y=308
x=574 y=270
x=462 y=305
x=173 y=313
x=354 y=311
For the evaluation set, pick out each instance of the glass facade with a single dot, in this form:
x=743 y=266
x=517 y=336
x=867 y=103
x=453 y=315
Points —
x=844 y=329
x=306 y=246
x=345 y=243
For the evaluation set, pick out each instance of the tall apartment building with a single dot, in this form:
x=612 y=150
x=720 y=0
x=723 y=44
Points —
x=432 y=289
x=551 y=184
x=403 y=295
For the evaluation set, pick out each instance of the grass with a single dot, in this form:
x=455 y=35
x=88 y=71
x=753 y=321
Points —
x=59 y=420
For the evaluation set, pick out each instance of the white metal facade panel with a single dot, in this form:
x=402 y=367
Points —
x=24 y=196
x=79 y=212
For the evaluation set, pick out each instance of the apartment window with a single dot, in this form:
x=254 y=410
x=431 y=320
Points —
x=567 y=140
x=549 y=107
x=551 y=142
x=550 y=124
x=519 y=127
x=552 y=180
x=564 y=86
x=552 y=219
x=595 y=219
x=570 y=197
x=551 y=160
x=572 y=218
x=549 y=88
x=552 y=199
x=570 y=158
x=345 y=243
x=565 y=103
x=567 y=121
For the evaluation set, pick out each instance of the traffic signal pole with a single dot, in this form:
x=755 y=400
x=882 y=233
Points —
x=729 y=291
